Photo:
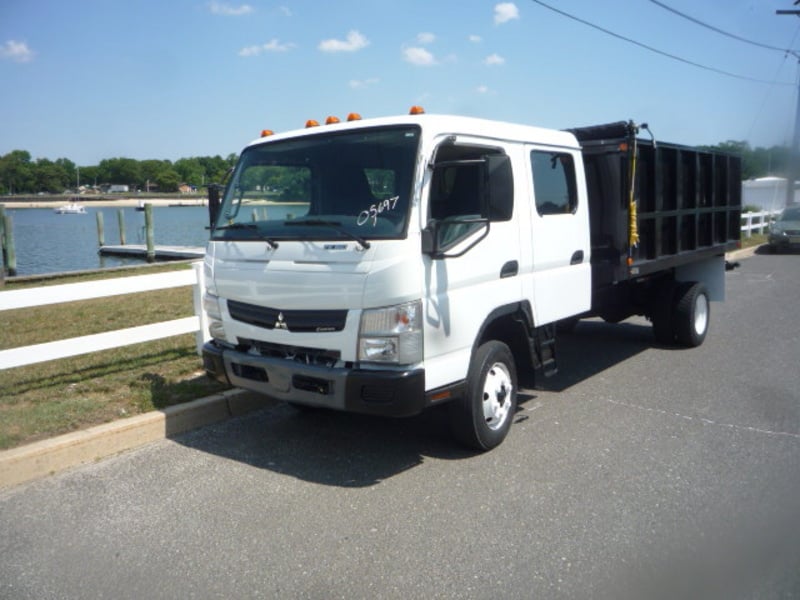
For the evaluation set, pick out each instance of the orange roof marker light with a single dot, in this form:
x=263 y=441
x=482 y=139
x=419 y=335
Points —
x=354 y=117
x=267 y=132
x=312 y=123
x=331 y=120
x=416 y=110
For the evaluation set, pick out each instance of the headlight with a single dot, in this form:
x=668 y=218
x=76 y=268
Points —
x=211 y=306
x=212 y=309
x=392 y=334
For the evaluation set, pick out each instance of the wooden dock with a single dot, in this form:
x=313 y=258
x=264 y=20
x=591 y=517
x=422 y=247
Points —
x=161 y=252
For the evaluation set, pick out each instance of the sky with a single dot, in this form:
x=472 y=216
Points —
x=168 y=79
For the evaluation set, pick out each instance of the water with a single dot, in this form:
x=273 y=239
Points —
x=50 y=243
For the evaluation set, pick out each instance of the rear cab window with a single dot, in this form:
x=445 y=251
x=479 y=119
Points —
x=554 y=183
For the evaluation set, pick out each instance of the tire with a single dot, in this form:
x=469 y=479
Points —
x=692 y=313
x=482 y=418
x=662 y=313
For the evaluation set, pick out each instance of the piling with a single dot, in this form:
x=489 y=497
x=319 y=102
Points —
x=101 y=238
x=121 y=221
x=10 y=252
x=2 y=245
x=149 y=235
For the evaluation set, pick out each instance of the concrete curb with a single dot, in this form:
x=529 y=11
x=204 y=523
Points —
x=743 y=253
x=48 y=457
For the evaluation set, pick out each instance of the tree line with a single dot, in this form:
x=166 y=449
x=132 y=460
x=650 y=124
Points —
x=756 y=162
x=19 y=174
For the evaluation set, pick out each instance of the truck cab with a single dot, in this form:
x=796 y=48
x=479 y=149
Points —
x=362 y=266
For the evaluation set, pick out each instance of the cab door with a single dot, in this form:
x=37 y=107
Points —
x=560 y=244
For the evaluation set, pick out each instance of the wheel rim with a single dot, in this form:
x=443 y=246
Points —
x=497 y=390
x=701 y=314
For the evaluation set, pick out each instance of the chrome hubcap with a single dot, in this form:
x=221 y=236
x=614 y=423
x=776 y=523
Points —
x=497 y=390
x=701 y=314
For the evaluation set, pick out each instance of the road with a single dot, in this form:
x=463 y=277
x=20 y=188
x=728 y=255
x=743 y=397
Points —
x=638 y=472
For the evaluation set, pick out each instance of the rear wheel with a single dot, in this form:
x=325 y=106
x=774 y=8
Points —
x=482 y=418
x=692 y=312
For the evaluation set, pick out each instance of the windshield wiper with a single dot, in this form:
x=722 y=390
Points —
x=251 y=227
x=335 y=225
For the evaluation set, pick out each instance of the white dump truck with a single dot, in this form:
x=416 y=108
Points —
x=387 y=265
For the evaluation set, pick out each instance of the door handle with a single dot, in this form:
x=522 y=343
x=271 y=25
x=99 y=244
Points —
x=509 y=269
x=577 y=257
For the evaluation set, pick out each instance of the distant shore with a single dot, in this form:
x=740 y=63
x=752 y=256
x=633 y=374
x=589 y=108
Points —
x=99 y=201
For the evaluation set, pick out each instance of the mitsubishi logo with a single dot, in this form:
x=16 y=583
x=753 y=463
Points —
x=280 y=323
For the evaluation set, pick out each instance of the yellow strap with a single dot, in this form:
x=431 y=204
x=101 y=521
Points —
x=633 y=223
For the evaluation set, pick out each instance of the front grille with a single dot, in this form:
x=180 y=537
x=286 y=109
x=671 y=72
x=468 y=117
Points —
x=306 y=356
x=317 y=321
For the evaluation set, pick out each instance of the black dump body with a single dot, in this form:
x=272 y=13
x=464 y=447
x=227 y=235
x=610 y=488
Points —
x=688 y=202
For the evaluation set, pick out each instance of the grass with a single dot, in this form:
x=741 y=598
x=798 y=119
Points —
x=755 y=240
x=50 y=398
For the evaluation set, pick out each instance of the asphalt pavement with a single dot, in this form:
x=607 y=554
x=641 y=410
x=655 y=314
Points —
x=639 y=471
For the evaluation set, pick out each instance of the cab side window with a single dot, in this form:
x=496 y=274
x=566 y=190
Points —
x=554 y=185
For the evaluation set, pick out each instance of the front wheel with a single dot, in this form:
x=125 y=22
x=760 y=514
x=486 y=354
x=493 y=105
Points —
x=482 y=418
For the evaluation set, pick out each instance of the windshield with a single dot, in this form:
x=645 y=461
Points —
x=354 y=185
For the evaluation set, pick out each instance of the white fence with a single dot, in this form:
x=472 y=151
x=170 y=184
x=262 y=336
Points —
x=756 y=221
x=28 y=355
x=197 y=324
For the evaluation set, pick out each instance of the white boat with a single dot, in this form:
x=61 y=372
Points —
x=70 y=209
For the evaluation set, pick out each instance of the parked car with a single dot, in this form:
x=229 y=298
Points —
x=784 y=233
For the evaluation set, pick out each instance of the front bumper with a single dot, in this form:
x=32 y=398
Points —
x=784 y=242
x=377 y=392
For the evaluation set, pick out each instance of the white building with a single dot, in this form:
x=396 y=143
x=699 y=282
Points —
x=768 y=193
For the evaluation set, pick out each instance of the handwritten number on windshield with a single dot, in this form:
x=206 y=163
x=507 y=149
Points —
x=371 y=214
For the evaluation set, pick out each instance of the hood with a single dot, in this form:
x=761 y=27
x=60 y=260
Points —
x=297 y=274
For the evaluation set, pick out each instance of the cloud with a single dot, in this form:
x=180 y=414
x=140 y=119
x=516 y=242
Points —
x=358 y=84
x=482 y=89
x=494 y=59
x=271 y=46
x=285 y=11
x=419 y=57
x=16 y=51
x=475 y=39
x=504 y=12
x=425 y=38
x=227 y=10
x=355 y=41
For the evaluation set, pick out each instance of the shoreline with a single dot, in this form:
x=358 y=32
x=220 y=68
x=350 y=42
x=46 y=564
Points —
x=101 y=202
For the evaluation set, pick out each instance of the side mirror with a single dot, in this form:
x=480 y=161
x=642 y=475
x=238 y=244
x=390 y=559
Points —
x=499 y=182
x=213 y=203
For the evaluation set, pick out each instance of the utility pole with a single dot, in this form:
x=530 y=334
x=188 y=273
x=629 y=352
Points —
x=794 y=151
